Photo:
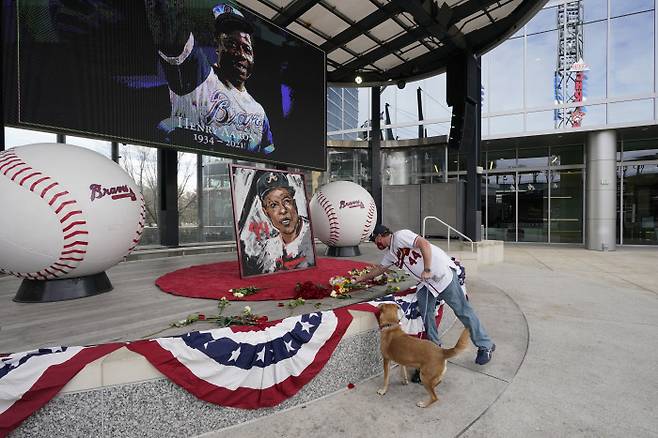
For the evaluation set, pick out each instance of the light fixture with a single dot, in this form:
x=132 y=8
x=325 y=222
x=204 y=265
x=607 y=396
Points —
x=358 y=79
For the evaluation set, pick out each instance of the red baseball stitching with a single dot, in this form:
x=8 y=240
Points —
x=140 y=225
x=70 y=216
x=371 y=217
x=334 y=225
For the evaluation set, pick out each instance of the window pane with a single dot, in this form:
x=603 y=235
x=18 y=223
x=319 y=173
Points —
x=505 y=76
x=389 y=96
x=100 y=146
x=567 y=206
x=433 y=94
x=364 y=106
x=540 y=69
x=188 y=213
x=19 y=137
x=565 y=155
x=141 y=163
x=622 y=7
x=533 y=206
x=501 y=207
x=546 y=19
x=595 y=9
x=216 y=213
x=594 y=115
x=631 y=111
x=436 y=129
x=640 y=217
x=397 y=169
x=506 y=124
x=406 y=133
x=501 y=157
x=407 y=104
x=539 y=121
x=533 y=157
x=641 y=150
x=631 y=58
x=594 y=52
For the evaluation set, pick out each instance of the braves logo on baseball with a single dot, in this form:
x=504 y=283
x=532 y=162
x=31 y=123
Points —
x=351 y=204
x=118 y=192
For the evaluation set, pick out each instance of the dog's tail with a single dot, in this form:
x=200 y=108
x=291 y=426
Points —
x=461 y=345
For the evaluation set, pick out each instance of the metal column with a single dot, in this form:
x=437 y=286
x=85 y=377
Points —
x=375 y=151
x=601 y=195
x=168 y=197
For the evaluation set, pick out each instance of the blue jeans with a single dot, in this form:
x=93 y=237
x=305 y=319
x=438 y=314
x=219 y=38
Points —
x=453 y=297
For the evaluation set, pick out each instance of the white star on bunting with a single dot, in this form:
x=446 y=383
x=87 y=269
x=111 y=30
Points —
x=234 y=355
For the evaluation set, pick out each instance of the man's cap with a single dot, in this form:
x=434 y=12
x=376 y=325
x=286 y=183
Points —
x=379 y=229
x=272 y=180
x=229 y=18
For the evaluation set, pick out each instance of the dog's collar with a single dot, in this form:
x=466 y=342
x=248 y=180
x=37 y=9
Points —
x=390 y=324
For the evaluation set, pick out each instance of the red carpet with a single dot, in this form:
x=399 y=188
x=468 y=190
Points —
x=214 y=280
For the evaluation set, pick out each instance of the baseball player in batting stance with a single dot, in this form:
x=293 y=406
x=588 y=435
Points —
x=210 y=102
x=290 y=245
x=437 y=280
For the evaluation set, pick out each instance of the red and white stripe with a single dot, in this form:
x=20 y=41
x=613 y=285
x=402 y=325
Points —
x=367 y=226
x=334 y=224
x=63 y=205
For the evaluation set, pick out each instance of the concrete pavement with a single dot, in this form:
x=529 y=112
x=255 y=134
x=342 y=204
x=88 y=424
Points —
x=576 y=334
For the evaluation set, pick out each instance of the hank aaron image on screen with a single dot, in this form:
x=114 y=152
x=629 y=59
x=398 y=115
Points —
x=210 y=104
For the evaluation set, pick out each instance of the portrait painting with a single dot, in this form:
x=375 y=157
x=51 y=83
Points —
x=272 y=221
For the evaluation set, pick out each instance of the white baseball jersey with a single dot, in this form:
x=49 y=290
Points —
x=201 y=102
x=278 y=256
x=403 y=254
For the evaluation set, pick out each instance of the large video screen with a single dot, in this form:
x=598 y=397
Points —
x=202 y=76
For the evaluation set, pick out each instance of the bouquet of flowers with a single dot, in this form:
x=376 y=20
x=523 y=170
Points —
x=385 y=278
x=309 y=290
x=341 y=286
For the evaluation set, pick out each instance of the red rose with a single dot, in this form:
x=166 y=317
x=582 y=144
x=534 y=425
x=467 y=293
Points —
x=350 y=386
x=280 y=304
x=202 y=317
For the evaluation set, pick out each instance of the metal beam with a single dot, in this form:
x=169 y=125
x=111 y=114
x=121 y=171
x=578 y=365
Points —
x=367 y=23
x=469 y=8
x=433 y=61
x=293 y=11
x=385 y=49
x=436 y=22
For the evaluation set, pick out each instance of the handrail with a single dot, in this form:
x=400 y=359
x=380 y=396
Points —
x=449 y=228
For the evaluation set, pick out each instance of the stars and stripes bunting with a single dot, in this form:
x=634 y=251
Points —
x=30 y=379
x=249 y=370
x=411 y=320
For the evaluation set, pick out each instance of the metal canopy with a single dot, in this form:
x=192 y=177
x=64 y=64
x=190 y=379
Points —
x=396 y=40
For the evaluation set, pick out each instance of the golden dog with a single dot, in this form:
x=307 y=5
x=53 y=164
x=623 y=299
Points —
x=407 y=351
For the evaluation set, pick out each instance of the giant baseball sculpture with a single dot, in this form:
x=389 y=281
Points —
x=67 y=212
x=343 y=214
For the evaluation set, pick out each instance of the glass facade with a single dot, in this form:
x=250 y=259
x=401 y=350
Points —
x=342 y=112
x=534 y=193
x=618 y=46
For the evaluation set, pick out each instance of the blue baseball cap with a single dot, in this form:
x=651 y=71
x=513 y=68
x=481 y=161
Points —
x=229 y=18
x=270 y=181
x=378 y=231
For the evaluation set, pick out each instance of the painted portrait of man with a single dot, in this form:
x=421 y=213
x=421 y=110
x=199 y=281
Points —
x=272 y=222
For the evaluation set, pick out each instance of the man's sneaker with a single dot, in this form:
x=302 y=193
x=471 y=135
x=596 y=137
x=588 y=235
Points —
x=416 y=376
x=484 y=355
